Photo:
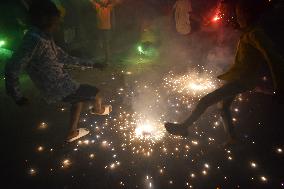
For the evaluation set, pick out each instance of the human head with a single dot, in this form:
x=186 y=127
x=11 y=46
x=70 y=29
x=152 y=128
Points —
x=44 y=15
x=248 y=11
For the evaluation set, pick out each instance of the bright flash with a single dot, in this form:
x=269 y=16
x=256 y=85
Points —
x=148 y=130
x=2 y=43
x=193 y=84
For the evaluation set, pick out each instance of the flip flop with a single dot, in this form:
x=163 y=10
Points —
x=82 y=132
x=176 y=129
x=107 y=110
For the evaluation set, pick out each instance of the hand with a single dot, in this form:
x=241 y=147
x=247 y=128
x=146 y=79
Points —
x=22 y=101
x=100 y=66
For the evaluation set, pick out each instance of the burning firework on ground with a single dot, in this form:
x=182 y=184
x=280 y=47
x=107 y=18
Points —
x=134 y=133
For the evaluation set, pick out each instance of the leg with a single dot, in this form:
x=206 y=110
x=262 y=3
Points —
x=227 y=117
x=228 y=90
x=106 y=47
x=74 y=119
x=97 y=103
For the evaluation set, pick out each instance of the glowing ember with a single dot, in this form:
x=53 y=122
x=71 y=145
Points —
x=193 y=84
x=66 y=163
x=216 y=18
x=149 y=130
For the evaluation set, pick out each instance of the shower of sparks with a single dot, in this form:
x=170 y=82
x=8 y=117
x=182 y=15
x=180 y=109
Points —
x=193 y=85
x=136 y=130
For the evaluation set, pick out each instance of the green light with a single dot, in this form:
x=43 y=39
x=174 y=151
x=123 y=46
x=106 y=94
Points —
x=140 y=49
x=5 y=53
x=2 y=43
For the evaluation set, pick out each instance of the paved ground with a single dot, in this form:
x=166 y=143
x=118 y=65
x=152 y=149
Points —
x=102 y=160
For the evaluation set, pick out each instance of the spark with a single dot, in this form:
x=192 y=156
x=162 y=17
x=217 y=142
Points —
x=263 y=179
x=92 y=156
x=204 y=172
x=193 y=84
x=279 y=150
x=40 y=148
x=32 y=171
x=66 y=163
x=253 y=165
x=42 y=125
x=216 y=18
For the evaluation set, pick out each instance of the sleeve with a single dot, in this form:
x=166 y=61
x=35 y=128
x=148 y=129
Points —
x=67 y=59
x=275 y=61
x=17 y=63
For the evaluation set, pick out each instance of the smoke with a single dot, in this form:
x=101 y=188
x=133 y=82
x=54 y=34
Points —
x=211 y=48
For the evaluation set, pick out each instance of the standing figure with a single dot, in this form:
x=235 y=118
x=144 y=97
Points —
x=182 y=14
x=104 y=10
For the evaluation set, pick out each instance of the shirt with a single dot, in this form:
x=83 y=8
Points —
x=182 y=10
x=255 y=49
x=103 y=15
x=43 y=61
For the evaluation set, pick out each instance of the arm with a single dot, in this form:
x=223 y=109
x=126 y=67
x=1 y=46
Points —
x=14 y=66
x=275 y=62
x=67 y=59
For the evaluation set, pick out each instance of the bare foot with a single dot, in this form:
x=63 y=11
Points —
x=101 y=111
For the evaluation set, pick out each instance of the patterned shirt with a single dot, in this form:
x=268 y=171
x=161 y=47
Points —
x=43 y=61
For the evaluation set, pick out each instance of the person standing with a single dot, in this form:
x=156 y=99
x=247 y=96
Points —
x=182 y=12
x=104 y=10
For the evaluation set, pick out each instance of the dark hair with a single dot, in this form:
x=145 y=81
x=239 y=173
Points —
x=41 y=13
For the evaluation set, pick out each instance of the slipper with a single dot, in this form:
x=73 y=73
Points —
x=176 y=129
x=107 y=110
x=82 y=132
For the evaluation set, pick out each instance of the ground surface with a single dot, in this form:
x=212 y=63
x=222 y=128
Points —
x=113 y=156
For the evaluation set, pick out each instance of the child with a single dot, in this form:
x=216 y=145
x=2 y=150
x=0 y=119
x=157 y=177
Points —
x=254 y=50
x=43 y=61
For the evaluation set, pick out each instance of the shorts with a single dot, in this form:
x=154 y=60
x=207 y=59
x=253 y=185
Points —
x=84 y=93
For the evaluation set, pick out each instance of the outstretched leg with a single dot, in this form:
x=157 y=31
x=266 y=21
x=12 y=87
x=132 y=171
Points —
x=227 y=91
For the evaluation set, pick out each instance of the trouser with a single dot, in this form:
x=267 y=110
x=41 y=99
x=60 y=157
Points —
x=105 y=41
x=226 y=95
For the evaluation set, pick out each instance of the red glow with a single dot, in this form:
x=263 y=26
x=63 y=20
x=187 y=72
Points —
x=216 y=18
